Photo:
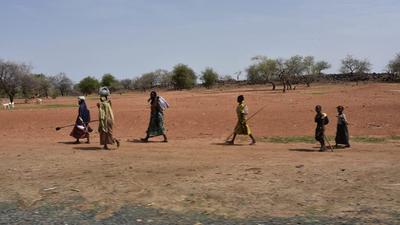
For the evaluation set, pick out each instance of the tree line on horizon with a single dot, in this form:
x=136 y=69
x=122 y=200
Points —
x=17 y=80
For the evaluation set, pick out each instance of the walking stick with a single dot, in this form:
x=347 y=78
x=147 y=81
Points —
x=59 y=128
x=327 y=140
x=247 y=120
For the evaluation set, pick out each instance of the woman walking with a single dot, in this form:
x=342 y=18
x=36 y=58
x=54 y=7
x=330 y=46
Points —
x=106 y=122
x=82 y=129
x=242 y=128
x=342 y=132
x=156 y=123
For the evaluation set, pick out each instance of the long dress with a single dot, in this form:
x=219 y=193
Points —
x=106 y=122
x=242 y=128
x=156 y=123
x=81 y=129
x=342 y=132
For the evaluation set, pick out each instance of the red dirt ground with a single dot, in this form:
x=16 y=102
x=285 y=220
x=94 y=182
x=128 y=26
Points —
x=195 y=171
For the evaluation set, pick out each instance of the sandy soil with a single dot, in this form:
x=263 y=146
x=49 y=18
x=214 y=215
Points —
x=195 y=171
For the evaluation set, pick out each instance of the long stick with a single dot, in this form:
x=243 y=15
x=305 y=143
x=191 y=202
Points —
x=59 y=128
x=327 y=140
x=247 y=120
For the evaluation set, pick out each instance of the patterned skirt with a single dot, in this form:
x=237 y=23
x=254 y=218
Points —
x=156 y=125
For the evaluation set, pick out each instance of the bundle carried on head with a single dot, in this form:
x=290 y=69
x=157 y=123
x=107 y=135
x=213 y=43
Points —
x=104 y=92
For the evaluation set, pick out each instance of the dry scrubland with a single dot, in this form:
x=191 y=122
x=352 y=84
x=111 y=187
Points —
x=282 y=176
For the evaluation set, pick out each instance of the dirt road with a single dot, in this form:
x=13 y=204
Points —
x=195 y=174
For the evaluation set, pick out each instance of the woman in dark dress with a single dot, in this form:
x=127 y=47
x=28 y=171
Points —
x=82 y=129
x=156 y=123
x=342 y=132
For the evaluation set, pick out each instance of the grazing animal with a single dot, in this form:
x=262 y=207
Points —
x=9 y=105
x=39 y=101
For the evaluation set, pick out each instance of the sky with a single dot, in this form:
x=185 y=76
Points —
x=130 y=37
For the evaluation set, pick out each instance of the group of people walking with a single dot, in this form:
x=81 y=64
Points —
x=155 y=128
x=82 y=129
x=342 y=131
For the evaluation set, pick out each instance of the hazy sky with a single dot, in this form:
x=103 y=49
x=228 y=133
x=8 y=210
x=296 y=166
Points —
x=131 y=37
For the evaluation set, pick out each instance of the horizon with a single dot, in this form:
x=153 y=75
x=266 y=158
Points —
x=129 y=38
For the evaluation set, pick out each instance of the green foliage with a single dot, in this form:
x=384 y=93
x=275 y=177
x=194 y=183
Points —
x=369 y=139
x=395 y=138
x=263 y=70
x=319 y=66
x=108 y=80
x=53 y=93
x=88 y=85
x=295 y=65
x=351 y=65
x=28 y=86
x=183 y=77
x=209 y=77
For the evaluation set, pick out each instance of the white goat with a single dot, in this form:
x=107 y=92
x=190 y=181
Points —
x=9 y=105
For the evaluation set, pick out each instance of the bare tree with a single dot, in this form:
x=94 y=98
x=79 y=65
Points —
x=62 y=83
x=351 y=65
x=11 y=75
x=394 y=65
x=127 y=84
x=44 y=85
x=147 y=81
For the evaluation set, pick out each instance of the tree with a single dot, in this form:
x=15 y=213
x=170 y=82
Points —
x=147 y=81
x=183 y=77
x=44 y=84
x=127 y=84
x=320 y=66
x=62 y=83
x=107 y=80
x=394 y=65
x=209 y=77
x=29 y=86
x=351 y=65
x=166 y=79
x=88 y=85
x=309 y=63
x=295 y=65
x=264 y=70
x=11 y=75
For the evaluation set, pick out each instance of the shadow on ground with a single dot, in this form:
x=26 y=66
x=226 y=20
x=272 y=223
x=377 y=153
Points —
x=304 y=150
x=91 y=148
x=144 y=142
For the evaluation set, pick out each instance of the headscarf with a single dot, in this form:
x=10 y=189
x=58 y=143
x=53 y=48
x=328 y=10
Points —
x=83 y=111
x=152 y=98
